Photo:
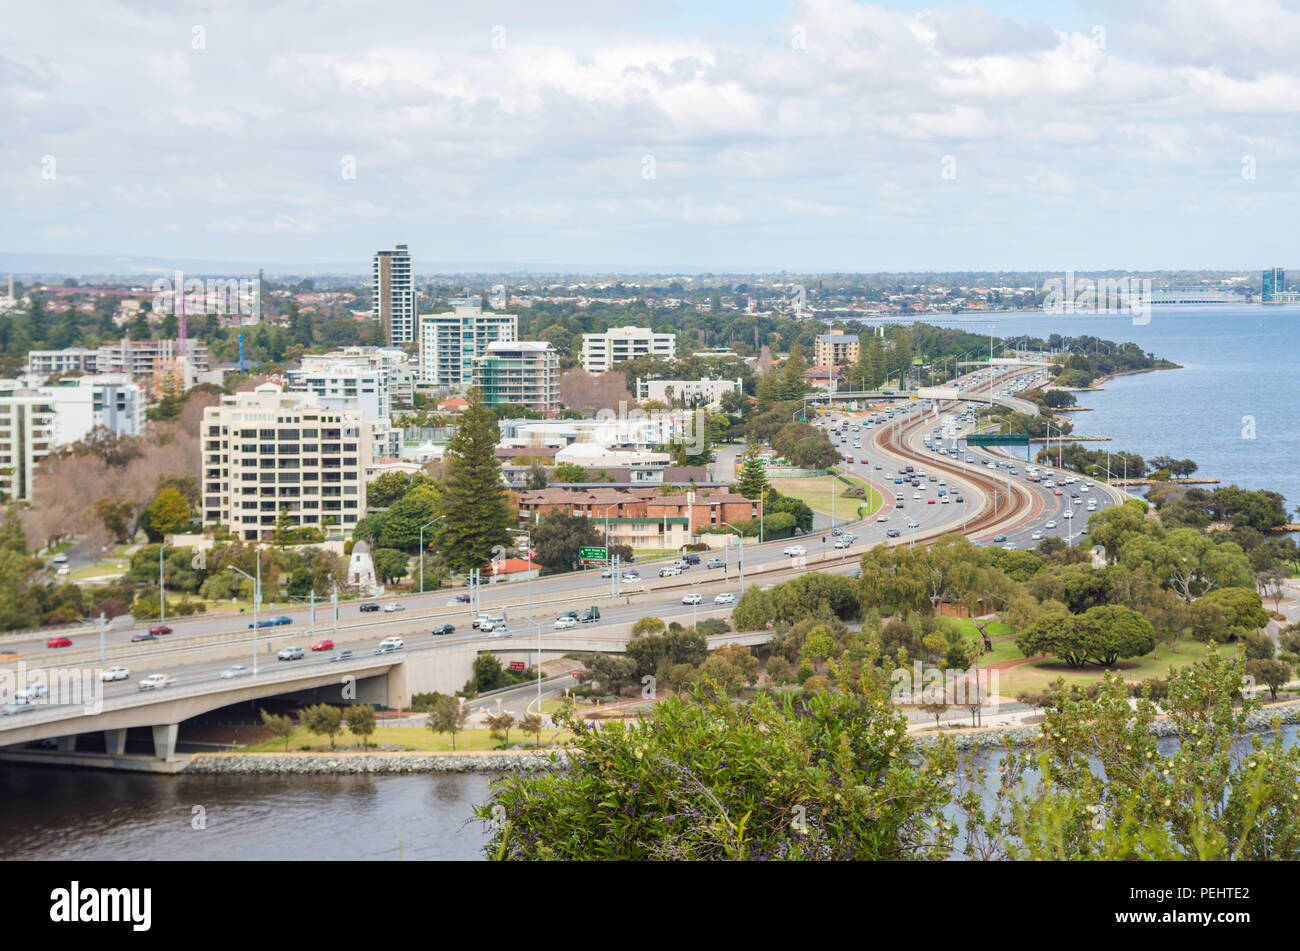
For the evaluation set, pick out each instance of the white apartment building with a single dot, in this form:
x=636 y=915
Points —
x=26 y=437
x=345 y=386
x=113 y=401
x=400 y=370
x=268 y=449
x=143 y=356
x=393 y=289
x=450 y=342
x=602 y=351
x=706 y=393
x=42 y=364
x=524 y=373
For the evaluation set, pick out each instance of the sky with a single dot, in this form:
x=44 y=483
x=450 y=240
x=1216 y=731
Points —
x=813 y=135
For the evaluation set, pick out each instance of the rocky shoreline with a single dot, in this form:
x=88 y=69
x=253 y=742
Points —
x=315 y=764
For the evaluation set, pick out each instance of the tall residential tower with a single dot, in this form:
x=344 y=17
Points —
x=393 y=291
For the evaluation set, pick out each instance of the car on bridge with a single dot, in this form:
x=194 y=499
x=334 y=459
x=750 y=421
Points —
x=59 y=642
x=716 y=563
x=9 y=655
x=669 y=570
x=564 y=622
x=160 y=629
x=341 y=655
x=325 y=645
x=371 y=606
x=590 y=616
x=115 y=673
x=291 y=653
x=135 y=638
x=277 y=621
x=725 y=598
x=443 y=629
x=236 y=670
x=794 y=551
x=393 y=607
x=692 y=598
x=390 y=643
x=155 y=682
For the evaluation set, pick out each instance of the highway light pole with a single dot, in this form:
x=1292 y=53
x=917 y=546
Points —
x=740 y=556
x=101 y=623
x=422 y=528
x=257 y=597
x=528 y=556
x=162 y=596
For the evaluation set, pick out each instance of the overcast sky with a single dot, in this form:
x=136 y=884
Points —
x=810 y=134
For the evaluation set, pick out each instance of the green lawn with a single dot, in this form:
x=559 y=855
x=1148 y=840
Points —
x=1041 y=674
x=416 y=738
x=816 y=492
x=650 y=554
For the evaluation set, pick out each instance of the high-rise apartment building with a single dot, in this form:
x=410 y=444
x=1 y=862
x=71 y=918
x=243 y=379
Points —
x=835 y=350
x=269 y=451
x=393 y=289
x=1273 y=285
x=26 y=437
x=522 y=373
x=618 y=344
x=450 y=342
x=113 y=401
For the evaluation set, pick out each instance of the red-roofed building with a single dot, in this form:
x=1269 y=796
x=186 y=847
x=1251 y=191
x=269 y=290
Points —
x=453 y=405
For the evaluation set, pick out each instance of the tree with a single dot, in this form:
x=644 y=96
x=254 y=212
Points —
x=360 y=719
x=721 y=779
x=390 y=564
x=1271 y=673
x=1101 y=635
x=557 y=538
x=281 y=727
x=652 y=626
x=322 y=719
x=169 y=512
x=475 y=512
x=532 y=723
x=500 y=725
x=388 y=487
x=569 y=472
x=448 y=715
x=488 y=673
x=115 y=514
x=751 y=482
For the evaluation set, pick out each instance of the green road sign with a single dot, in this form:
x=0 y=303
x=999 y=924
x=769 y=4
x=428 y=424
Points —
x=593 y=554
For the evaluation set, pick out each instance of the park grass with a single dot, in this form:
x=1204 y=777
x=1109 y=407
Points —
x=1039 y=675
x=404 y=737
x=652 y=554
x=816 y=492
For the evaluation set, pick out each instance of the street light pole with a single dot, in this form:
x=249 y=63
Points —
x=528 y=556
x=257 y=597
x=162 y=595
x=422 y=528
x=740 y=554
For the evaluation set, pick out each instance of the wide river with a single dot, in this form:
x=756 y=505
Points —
x=1231 y=408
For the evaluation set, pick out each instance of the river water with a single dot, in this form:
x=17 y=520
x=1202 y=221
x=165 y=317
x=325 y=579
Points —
x=1232 y=408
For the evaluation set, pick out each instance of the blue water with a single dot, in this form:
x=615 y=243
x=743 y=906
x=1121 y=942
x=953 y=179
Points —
x=1237 y=368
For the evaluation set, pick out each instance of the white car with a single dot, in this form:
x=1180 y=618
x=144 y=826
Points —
x=390 y=608
x=1036 y=536
x=725 y=598
x=564 y=623
x=396 y=643
x=691 y=598
x=156 y=682
x=115 y=673
x=795 y=550
x=1068 y=514
x=913 y=523
x=31 y=692
x=767 y=587
x=1049 y=525
x=882 y=518
x=236 y=670
x=669 y=571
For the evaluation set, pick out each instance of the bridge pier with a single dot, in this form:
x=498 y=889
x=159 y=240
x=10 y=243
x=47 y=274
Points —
x=115 y=742
x=164 y=740
x=67 y=744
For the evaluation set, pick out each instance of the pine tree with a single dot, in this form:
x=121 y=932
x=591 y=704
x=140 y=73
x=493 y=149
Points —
x=752 y=482
x=475 y=511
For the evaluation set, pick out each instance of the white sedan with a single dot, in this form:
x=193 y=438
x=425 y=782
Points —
x=691 y=598
x=115 y=673
x=236 y=670
x=725 y=598
x=795 y=550
x=1049 y=525
x=390 y=608
x=566 y=622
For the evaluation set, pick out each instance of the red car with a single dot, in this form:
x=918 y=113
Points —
x=325 y=645
x=929 y=501
x=849 y=460
x=160 y=629
x=59 y=642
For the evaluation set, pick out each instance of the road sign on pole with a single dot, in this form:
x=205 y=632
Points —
x=593 y=554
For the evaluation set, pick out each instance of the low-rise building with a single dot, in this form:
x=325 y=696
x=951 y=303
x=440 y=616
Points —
x=692 y=393
x=832 y=350
x=113 y=401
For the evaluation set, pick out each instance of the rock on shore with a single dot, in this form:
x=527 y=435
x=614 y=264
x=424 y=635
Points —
x=347 y=763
